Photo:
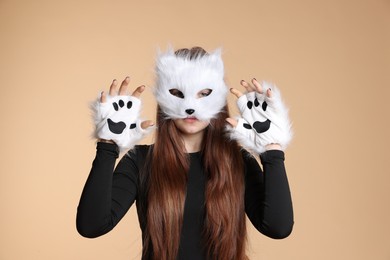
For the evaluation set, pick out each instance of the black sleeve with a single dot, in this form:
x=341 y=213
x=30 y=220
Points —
x=268 y=202
x=107 y=194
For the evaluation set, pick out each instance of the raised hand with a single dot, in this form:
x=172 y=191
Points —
x=264 y=122
x=116 y=116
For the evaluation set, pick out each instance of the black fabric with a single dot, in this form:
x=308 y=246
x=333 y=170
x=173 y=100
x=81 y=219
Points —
x=107 y=196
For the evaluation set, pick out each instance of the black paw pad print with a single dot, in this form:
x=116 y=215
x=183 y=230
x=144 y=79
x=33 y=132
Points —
x=256 y=102
x=260 y=127
x=119 y=127
x=121 y=104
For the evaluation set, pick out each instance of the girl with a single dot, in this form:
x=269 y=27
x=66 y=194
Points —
x=195 y=184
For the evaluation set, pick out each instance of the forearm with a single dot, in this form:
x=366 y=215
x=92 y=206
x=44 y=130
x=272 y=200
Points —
x=277 y=210
x=267 y=196
x=94 y=209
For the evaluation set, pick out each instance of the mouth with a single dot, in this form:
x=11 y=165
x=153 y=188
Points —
x=190 y=119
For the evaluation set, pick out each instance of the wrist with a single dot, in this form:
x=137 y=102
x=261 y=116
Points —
x=273 y=147
x=105 y=141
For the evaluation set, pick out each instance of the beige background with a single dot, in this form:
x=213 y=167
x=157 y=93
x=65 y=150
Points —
x=331 y=59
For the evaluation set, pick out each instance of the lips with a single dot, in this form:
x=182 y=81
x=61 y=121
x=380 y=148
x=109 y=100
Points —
x=190 y=119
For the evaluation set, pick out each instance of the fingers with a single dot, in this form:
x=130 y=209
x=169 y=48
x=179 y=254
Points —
x=257 y=85
x=123 y=88
x=236 y=92
x=138 y=91
x=103 y=97
x=269 y=93
x=247 y=86
x=113 y=88
x=231 y=121
x=146 y=124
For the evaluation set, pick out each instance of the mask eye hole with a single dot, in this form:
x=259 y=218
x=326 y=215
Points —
x=204 y=92
x=177 y=93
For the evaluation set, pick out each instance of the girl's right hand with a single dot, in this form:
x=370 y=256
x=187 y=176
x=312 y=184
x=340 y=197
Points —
x=116 y=116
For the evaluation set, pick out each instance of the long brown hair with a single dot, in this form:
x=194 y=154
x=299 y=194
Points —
x=224 y=230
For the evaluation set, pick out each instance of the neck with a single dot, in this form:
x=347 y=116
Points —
x=193 y=142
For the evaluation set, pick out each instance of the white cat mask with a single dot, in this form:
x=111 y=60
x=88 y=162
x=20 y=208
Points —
x=190 y=88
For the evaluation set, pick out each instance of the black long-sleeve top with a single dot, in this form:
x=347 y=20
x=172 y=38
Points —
x=109 y=193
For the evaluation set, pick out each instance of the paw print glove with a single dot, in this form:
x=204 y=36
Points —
x=264 y=120
x=117 y=119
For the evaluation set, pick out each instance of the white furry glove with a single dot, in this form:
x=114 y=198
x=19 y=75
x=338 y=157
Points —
x=264 y=120
x=117 y=119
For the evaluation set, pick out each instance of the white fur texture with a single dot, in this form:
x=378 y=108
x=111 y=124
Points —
x=279 y=132
x=103 y=112
x=190 y=77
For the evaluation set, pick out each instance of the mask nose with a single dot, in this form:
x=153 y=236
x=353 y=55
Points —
x=190 y=111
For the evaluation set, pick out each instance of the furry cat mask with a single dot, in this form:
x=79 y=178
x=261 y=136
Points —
x=190 y=87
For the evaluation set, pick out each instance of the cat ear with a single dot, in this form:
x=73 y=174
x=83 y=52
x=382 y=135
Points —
x=215 y=60
x=217 y=53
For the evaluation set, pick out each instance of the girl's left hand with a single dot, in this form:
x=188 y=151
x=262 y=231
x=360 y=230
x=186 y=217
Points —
x=264 y=124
